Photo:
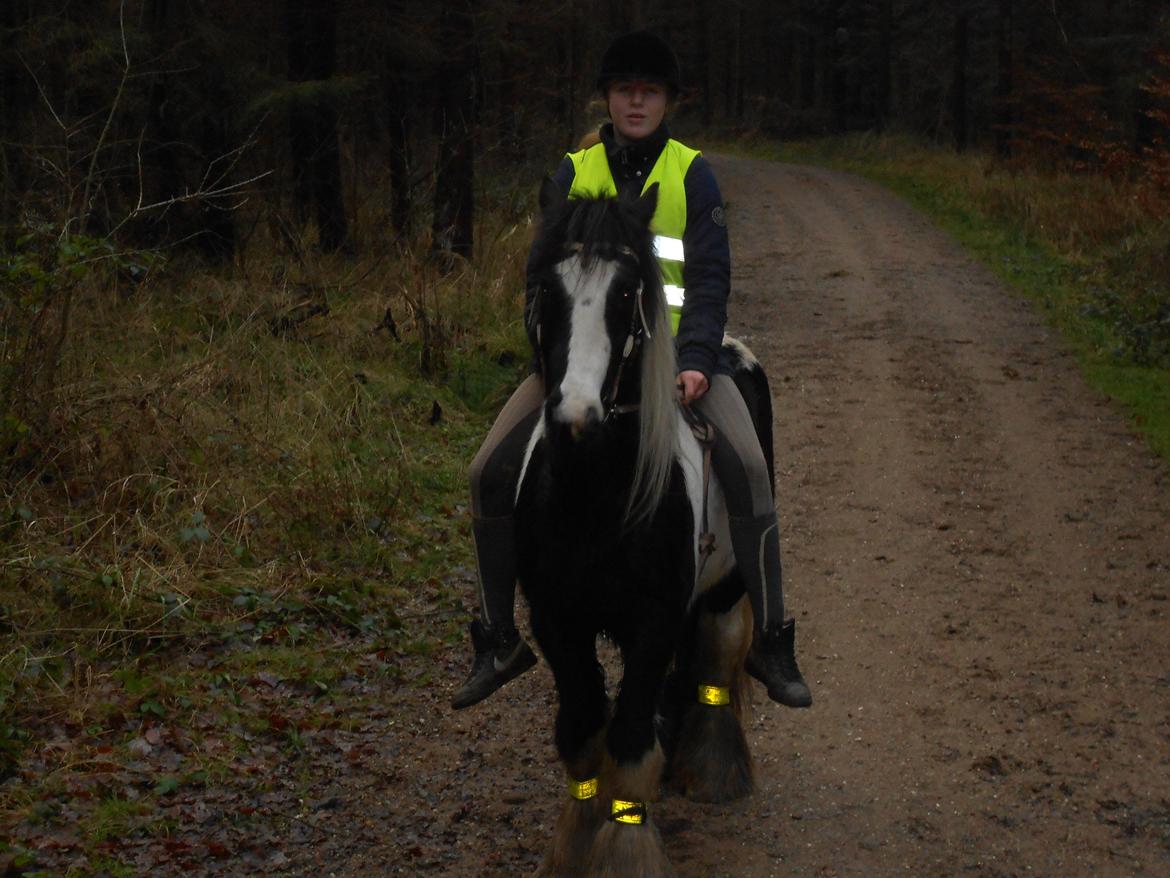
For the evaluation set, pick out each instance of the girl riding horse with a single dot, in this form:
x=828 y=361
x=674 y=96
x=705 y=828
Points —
x=639 y=77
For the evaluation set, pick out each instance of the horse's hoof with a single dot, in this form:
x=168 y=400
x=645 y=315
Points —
x=712 y=762
x=622 y=851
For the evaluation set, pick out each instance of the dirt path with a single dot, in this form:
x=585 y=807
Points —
x=977 y=549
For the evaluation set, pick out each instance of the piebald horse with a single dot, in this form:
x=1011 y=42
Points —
x=612 y=501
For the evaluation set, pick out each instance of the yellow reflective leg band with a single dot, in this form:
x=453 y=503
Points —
x=583 y=789
x=633 y=813
x=715 y=695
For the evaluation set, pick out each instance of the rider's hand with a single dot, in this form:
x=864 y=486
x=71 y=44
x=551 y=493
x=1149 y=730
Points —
x=692 y=385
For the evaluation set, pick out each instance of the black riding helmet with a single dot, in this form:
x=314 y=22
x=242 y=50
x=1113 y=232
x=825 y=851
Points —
x=639 y=55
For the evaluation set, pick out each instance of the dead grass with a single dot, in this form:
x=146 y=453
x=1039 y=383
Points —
x=1085 y=217
x=270 y=455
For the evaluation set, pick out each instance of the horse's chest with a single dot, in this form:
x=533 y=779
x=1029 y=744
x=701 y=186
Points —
x=575 y=550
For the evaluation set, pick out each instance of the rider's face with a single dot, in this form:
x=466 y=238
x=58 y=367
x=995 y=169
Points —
x=636 y=107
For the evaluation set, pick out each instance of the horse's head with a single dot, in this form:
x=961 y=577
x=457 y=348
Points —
x=600 y=299
x=603 y=334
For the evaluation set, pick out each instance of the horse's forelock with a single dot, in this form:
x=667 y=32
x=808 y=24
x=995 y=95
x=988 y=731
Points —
x=599 y=225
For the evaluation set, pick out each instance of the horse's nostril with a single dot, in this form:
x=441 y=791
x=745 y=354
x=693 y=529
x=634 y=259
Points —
x=579 y=425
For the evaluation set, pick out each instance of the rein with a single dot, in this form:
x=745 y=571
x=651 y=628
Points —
x=639 y=329
x=704 y=433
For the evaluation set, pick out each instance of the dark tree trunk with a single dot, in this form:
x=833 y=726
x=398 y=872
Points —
x=959 y=81
x=566 y=76
x=508 y=109
x=312 y=56
x=452 y=230
x=701 y=24
x=885 y=61
x=162 y=173
x=808 y=57
x=778 y=50
x=399 y=154
x=739 y=88
x=1003 y=81
x=11 y=169
x=217 y=240
x=835 y=39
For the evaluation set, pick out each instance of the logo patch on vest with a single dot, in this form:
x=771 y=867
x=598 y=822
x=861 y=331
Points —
x=719 y=217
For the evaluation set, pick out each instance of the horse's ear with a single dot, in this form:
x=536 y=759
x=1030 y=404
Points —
x=645 y=206
x=550 y=195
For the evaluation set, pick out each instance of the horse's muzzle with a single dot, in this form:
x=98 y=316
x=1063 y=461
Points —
x=575 y=413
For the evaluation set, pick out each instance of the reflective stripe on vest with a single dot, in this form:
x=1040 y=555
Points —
x=594 y=179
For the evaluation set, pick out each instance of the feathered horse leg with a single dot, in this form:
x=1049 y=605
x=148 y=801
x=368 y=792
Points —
x=580 y=736
x=711 y=761
x=628 y=844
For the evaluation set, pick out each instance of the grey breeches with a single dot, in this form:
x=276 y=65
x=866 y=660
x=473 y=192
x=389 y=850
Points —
x=496 y=467
x=737 y=458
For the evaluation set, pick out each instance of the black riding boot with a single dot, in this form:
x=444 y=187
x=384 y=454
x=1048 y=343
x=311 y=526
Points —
x=772 y=661
x=500 y=655
x=500 y=652
x=772 y=658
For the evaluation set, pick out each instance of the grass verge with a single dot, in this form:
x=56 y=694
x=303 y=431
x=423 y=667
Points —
x=1090 y=252
x=237 y=528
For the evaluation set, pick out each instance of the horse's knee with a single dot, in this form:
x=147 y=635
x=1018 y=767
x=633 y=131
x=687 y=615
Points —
x=578 y=721
x=630 y=738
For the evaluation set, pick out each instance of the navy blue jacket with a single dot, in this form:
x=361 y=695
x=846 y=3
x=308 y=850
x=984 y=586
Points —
x=707 y=265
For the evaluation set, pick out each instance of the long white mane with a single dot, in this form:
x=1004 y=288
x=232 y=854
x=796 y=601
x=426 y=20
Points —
x=657 y=442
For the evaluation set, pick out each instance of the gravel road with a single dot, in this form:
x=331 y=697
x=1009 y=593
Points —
x=977 y=548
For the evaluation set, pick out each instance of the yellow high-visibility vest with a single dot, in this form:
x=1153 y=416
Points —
x=594 y=179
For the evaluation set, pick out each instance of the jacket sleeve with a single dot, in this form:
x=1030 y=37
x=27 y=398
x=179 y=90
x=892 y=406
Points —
x=563 y=178
x=706 y=272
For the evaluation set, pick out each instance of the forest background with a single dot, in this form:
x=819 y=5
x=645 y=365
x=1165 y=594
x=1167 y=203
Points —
x=261 y=285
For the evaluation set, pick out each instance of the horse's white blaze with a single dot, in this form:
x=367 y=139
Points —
x=589 y=346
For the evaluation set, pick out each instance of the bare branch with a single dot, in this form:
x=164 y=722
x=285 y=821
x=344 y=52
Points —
x=89 y=176
x=199 y=195
x=41 y=90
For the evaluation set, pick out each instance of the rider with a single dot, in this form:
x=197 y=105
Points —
x=639 y=77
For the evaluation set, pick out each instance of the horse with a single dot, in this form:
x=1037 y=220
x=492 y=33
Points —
x=613 y=501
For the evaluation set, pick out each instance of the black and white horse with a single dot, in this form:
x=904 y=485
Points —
x=610 y=506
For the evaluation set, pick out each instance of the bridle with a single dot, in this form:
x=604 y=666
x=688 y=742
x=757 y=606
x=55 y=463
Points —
x=639 y=330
